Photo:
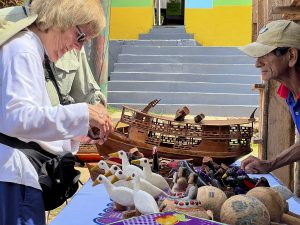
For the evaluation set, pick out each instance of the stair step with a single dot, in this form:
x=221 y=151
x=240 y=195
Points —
x=167 y=63
x=187 y=98
x=180 y=50
x=188 y=77
x=208 y=110
x=169 y=29
x=175 y=86
x=186 y=68
x=209 y=59
x=165 y=36
x=184 y=42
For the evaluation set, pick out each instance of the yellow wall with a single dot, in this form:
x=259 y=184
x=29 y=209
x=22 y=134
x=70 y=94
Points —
x=127 y=23
x=220 y=25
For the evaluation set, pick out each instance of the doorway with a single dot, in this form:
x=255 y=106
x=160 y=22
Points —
x=171 y=12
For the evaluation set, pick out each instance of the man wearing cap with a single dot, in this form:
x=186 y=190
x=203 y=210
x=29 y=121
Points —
x=26 y=112
x=277 y=52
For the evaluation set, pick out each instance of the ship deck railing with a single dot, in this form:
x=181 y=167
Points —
x=169 y=129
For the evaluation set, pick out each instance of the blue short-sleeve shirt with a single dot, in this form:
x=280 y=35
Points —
x=294 y=105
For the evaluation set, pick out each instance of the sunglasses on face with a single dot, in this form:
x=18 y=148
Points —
x=81 y=37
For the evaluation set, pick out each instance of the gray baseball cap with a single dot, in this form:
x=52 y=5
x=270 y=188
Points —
x=278 y=33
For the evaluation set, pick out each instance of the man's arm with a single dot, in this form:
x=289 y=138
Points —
x=288 y=156
x=255 y=165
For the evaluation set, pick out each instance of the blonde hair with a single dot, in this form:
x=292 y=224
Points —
x=65 y=14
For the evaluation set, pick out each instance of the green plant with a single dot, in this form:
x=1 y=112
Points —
x=111 y=109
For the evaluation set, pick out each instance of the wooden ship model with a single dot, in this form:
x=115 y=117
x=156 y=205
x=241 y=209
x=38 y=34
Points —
x=223 y=140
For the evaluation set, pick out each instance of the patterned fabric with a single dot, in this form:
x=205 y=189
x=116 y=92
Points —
x=111 y=217
x=166 y=218
x=108 y=215
x=141 y=220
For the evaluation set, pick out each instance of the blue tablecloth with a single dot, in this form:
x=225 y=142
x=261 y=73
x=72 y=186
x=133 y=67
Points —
x=89 y=202
x=84 y=207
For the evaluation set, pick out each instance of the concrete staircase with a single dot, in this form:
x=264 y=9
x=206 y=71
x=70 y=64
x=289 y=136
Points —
x=168 y=64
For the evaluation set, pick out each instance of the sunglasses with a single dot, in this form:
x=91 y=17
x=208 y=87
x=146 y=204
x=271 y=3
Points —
x=81 y=37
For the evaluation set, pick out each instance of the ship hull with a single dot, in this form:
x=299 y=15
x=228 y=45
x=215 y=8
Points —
x=117 y=141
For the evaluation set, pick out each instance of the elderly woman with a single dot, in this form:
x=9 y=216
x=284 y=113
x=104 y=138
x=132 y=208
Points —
x=25 y=108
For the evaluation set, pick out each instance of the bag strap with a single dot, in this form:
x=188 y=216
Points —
x=21 y=145
x=52 y=77
x=49 y=66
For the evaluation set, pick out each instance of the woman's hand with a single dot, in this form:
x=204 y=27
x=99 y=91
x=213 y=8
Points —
x=100 y=123
x=88 y=140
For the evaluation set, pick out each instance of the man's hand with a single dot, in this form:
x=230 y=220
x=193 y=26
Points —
x=254 y=165
x=100 y=121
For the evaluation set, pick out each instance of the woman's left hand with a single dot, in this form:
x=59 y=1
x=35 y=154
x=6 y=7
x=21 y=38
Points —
x=88 y=140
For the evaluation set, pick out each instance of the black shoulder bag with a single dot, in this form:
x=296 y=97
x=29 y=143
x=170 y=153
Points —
x=57 y=175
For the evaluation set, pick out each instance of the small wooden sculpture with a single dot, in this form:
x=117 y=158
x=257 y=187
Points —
x=262 y=182
x=155 y=163
x=199 y=118
x=103 y=166
x=154 y=178
x=209 y=162
x=225 y=140
x=181 y=113
x=180 y=185
x=189 y=169
x=100 y=166
x=120 y=195
x=144 y=185
x=121 y=180
x=134 y=153
x=143 y=201
x=192 y=188
x=126 y=167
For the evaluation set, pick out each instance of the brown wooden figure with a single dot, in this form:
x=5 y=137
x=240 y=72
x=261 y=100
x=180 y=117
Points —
x=192 y=188
x=183 y=172
x=134 y=153
x=180 y=185
x=181 y=113
x=155 y=163
x=199 y=118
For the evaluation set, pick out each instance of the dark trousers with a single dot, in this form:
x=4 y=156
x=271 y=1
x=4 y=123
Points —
x=21 y=205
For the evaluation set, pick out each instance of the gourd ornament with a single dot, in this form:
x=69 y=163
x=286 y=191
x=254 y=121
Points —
x=275 y=205
x=243 y=209
x=211 y=198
